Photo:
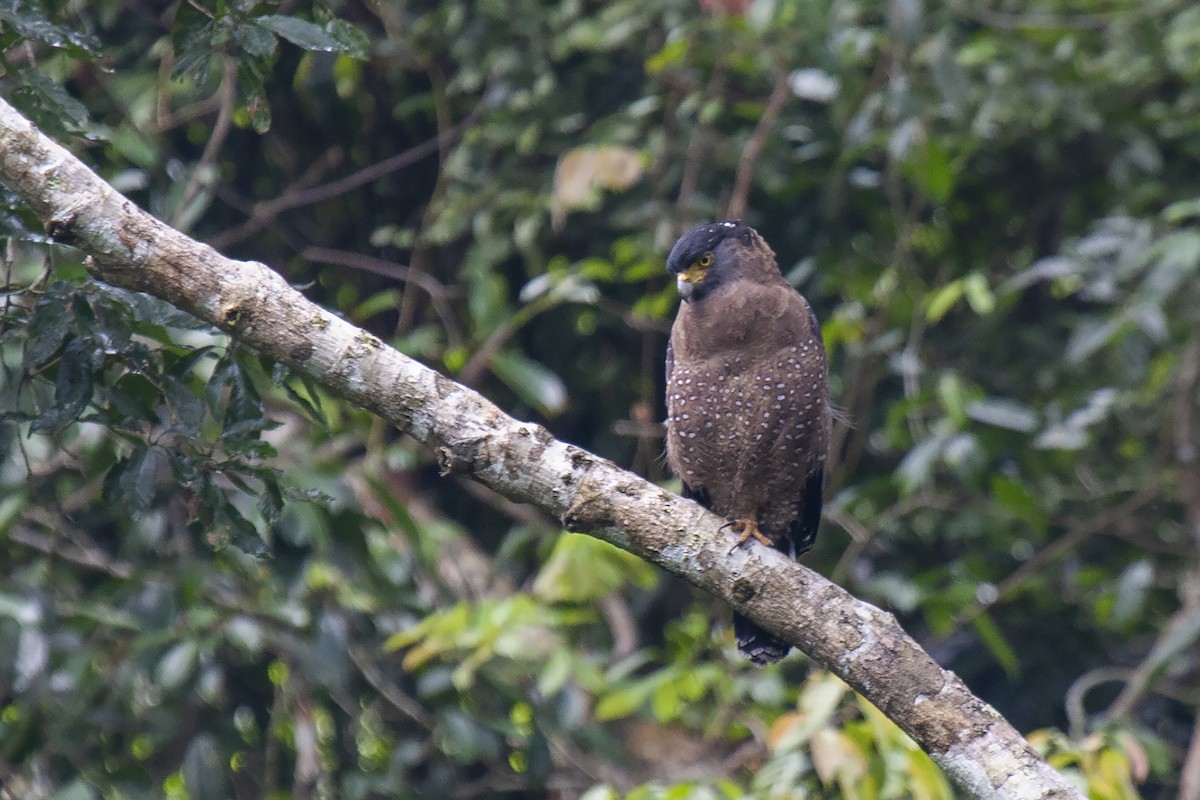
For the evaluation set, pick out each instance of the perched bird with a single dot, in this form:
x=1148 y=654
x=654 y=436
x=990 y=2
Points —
x=748 y=412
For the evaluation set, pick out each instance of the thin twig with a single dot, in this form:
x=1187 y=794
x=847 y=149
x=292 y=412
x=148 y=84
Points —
x=376 y=266
x=422 y=246
x=694 y=154
x=1031 y=20
x=1073 y=700
x=436 y=291
x=481 y=359
x=165 y=119
x=1060 y=546
x=71 y=551
x=201 y=9
x=216 y=140
x=754 y=148
x=520 y=513
x=390 y=691
x=1189 y=775
x=272 y=208
x=861 y=536
x=327 y=161
x=1167 y=647
x=621 y=624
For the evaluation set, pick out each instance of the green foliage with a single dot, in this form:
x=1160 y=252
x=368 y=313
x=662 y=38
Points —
x=220 y=582
x=582 y=569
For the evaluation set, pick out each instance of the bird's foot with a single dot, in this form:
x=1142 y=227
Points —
x=746 y=529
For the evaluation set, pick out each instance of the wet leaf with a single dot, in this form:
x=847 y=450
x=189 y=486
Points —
x=29 y=22
x=49 y=326
x=313 y=37
x=73 y=386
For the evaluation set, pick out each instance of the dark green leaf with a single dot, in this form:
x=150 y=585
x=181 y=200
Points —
x=464 y=739
x=1019 y=501
x=328 y=654
x=242 y=402
x=997 y=644
x=256 y=110
x=139 y=478
x=186 y=406
x=310 y=401
x=195 y=54
x=255 y=40
x=72 y=386
x=50 y=101
x=29 y=22
x=234 y=529
x=270 y=501
x=48 y=327
x=351 y=40
x=307 y=35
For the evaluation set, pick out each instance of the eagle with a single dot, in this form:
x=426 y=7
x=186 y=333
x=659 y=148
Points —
x=747 y=391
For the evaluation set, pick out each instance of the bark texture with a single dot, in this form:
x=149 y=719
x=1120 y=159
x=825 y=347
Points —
x=865 y=646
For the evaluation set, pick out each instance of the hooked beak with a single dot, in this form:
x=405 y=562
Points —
x=686 y=281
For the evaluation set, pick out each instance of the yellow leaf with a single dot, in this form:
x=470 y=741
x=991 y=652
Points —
x=617 y=168
x=821 y=695
x=584 y=169
x=818 y=700
x=781 y=727
x=1111 y=777
x=827 y=754
x=574 y=177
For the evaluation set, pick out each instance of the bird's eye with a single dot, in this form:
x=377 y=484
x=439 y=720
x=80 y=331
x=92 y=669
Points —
x=705 y=260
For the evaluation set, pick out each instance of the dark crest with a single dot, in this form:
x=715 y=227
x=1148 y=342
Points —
x=704 y=239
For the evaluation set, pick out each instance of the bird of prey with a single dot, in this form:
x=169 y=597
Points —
x=748 y=412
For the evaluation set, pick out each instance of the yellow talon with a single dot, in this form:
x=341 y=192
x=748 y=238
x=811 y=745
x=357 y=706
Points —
x=746 y=530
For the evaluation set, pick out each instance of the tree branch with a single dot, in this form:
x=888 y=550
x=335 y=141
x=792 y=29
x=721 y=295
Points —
x=754 y=147
x=863 y=645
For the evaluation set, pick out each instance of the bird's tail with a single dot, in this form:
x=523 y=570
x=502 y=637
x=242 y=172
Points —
x=761 y=647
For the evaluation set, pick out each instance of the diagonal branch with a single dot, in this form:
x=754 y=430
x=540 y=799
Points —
x=754 y=147
x=866 y=647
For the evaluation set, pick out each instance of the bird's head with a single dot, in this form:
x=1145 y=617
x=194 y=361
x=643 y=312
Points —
x=707 y=256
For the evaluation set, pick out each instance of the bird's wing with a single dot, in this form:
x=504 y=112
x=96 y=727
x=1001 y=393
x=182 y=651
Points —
x=804 y=530
x=689 y=492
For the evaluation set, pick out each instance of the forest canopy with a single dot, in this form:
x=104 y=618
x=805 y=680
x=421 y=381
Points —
x=219 y=580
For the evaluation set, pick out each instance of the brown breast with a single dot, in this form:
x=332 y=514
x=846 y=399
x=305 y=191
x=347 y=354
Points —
x=748 y=420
